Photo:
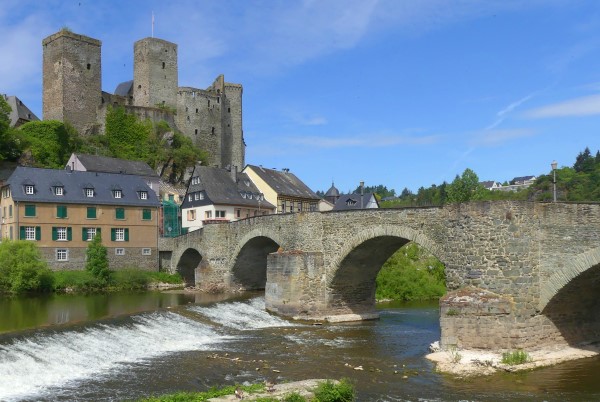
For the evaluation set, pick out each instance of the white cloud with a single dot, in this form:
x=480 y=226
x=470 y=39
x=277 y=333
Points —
x=496 y=137
x=366 y=141
x=584 y=106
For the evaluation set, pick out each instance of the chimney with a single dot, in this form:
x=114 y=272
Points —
x=362 y=193
x=233 y=172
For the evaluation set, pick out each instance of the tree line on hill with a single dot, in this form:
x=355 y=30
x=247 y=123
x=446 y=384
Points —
x=49 y=144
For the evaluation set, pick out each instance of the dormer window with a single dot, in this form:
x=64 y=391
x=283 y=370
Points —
x=350 y=202
x=243 y=194
x=59 y=190
x=29 y=189
x=117 y=194
x=89 y=192
x=189 y=197
x=143 y=195
x=195 y=180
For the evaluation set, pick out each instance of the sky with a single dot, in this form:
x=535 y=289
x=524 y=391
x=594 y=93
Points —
x=403 y=93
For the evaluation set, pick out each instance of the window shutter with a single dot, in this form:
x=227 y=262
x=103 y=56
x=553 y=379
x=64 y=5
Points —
x=97 y=231
x=69 y=234
x=84 y=234
x=120 y=213
x=29 y=210
x=113 y=234
x=38 y=233
x=146 y=214
x=54 y=233
x=126 y=234
x=22 y=233
x=91 y=212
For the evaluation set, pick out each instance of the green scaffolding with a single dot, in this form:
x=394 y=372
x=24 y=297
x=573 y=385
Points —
x=171 y=225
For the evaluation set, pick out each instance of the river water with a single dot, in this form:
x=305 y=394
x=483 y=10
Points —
x=127 y=346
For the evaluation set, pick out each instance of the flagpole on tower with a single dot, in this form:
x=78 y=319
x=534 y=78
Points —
x=153 y=24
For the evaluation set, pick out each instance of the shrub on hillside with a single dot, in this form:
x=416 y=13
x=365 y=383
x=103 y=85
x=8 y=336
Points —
x=22 y=269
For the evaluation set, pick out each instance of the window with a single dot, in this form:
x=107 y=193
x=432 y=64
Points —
x=196 y=196
x=30 y=233
x=219 y=214
x=313 y=207
x=171 y=197
x=120 y=213
x=58 y=190
x=119 y=251
x=163 y=65
x=119 y=234
x=190 y=197
x=196 y=131
x=238 y=213
x=89 y=66
x=300 y=207
x=146 y=214
x=29 y=189
x=62 y=254
x=88 y=234
x=292 y=206
x=143 y=195
x=6 y=192
x=196 y=110
x=89 y=192
x=191 y=215
x=62 y=234
x=61 y=211
x=146 y=251
x=91 y=212
x=283 y=206
x=117 y=193
x=208 y=214
x=212 y=131
x=10 y=211
x=30 y=210
x=195 y=180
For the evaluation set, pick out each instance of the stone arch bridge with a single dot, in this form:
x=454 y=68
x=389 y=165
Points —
x=519 y=274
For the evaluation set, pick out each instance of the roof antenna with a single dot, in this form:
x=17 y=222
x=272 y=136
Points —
x=153 y=24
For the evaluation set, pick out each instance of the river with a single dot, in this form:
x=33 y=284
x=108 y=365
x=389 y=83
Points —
x=127 y=346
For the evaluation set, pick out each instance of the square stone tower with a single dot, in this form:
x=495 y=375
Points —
x=155 y=78
x=72 y=79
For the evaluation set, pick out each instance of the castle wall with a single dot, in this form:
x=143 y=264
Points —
x=72 y=79
x=155 y=73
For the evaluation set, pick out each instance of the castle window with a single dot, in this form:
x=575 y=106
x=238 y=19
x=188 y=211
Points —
x=212 y=130
x=228 y=110
x=196 y=131
x=188 y=118
x=196 y=110
x=218 y=100
x=163 y=65
x=208 y=102
x=89 y=66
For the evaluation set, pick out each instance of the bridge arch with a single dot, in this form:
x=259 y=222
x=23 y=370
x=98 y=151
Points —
x=249 y=268
x=186 y=265
x=351 y=277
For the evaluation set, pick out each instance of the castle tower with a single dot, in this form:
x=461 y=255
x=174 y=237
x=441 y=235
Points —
x=235 y=149
x=72 y=79
x=155 y=79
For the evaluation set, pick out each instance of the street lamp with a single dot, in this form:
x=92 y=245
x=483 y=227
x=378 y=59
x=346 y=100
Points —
x=554 y=164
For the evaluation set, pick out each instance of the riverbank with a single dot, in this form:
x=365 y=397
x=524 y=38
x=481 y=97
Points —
x=469 y=363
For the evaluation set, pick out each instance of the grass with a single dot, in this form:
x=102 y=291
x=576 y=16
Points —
x=126 y=279
x=330 y=392
x=204 y=396
x=515 y=357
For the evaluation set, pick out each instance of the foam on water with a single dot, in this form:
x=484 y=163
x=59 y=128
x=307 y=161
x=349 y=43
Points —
x=242 y=315
x=32 y=366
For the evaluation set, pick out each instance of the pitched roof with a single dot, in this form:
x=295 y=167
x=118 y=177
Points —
x=124 y=88
x=74 y=184
x=19 y=110
x=219 y=187
x=352 y=201
x=96 y=163
x=284 y=182
x=332 y=192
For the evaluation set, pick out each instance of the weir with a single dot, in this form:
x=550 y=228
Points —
x=512 y=268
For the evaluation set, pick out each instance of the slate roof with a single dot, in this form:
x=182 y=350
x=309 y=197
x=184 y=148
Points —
x=522 y=179
x=342 y=203
x=124 y=88
x=487 y=183
x=219 y=188
x=96 y=163
x=284 y=183
x=19 y=110
x=74 y=185
x=332 y=192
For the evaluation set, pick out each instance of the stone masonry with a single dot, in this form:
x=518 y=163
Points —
x=519 y=274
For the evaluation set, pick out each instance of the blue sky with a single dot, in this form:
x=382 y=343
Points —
x=401 y=93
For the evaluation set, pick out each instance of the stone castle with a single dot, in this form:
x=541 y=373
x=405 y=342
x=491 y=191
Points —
x=72 y=92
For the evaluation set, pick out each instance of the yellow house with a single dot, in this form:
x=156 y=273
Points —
x=62 y=210
x=283 y=189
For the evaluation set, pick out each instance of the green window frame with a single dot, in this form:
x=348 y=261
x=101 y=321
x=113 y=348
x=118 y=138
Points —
x=84 y=233
x=55 y=233
x=61 y=211
x=146 y=214
x=113 y=234
x=29 y=210
x=120 y=213
x=23 y=236
x=91 y=213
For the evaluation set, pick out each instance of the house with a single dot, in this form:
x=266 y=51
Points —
x=519 y=183
x=217 y=195
x=105 y=164
x=20 y=114
x=62 y=210
x=347 y=202
x=283 y=189
x=172 y=192
x=491 y=185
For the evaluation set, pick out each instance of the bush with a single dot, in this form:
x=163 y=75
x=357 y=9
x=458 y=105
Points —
x=97 y=260
x=331 y=392
x=79 y=281
x=515 y=357
x=22 y=268
x=130 y=279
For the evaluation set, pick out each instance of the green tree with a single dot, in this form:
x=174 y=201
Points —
x=381 y=190
x=126 y=136
x=97 y=259
x=50 y=142
x=10 y=148
x=584 y=161
x=22 y=268
x=465 y=188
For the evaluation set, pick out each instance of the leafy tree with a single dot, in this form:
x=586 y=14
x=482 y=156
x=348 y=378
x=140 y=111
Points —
x=584 y=161
x=97 y=259
x=126 y=136
x=10 y=148
x=22 y=268
x=50 y=142
x=381 y=190
x=465 y=187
